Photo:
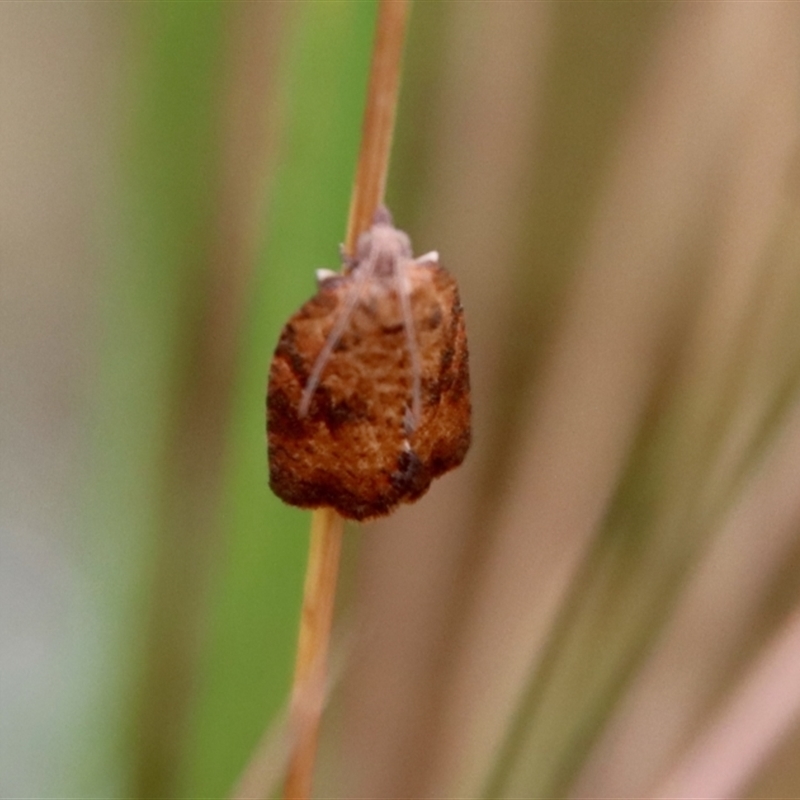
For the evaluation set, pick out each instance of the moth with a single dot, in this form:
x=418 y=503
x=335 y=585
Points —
x=368 y=397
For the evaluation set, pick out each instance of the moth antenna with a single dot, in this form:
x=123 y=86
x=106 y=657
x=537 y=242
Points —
x=333 y=339
x=428 y=258
x=413 y=348
x=349 y=262
x=323 y=275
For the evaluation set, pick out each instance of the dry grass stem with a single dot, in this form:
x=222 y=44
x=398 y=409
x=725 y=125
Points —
x=263 y=774
x=319 y=593
x=308 y=689
x=379 y=116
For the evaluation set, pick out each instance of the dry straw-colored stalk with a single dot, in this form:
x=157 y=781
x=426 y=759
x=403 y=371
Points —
x=310 y=682
x=319 y=593
x=308 y=690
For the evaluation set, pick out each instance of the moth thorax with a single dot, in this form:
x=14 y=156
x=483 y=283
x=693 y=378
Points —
x=384 y=263
x=383 y=245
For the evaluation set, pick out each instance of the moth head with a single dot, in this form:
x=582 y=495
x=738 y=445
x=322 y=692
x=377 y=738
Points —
x=383 y=245
x=382 y=216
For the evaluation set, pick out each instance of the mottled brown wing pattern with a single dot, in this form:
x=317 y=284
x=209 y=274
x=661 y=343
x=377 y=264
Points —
x=359 y=449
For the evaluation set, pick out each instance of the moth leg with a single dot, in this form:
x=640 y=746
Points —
x=404 y=294
x=362 y=276
x=408 y=426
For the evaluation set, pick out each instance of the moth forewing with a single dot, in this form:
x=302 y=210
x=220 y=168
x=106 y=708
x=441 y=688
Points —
x=368 y=396
x=345 y=313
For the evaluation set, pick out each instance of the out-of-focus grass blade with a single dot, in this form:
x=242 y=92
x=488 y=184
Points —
x=248 y=665
x=709 y=421
x=145 y=296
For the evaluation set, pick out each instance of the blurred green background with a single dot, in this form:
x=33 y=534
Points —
x=614 y=185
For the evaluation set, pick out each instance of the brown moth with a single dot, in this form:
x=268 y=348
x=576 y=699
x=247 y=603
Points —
x=368 y=396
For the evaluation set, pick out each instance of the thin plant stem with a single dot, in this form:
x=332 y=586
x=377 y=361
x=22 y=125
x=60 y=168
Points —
x=308 y=689
x=379 y=115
